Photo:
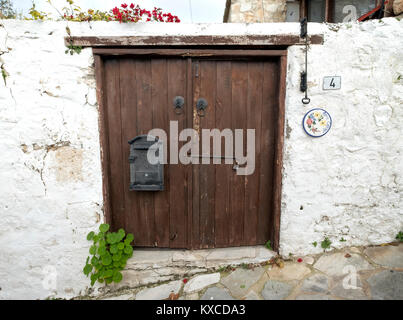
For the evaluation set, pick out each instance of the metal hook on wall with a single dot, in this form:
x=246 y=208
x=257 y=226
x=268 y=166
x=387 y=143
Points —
x=304 y=74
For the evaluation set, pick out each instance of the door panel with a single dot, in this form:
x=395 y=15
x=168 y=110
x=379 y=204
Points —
x=202 y=205
x=231 y=209
x=140 y=96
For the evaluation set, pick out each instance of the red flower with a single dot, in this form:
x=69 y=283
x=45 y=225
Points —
x=132 y=6
x=299 y=260
x=185 y=280
x=124 y=5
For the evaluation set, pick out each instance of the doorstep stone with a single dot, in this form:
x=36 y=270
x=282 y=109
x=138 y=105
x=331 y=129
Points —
x=159 y=292
x=264 y=254
x=276 y=290
x=335 y=264
x=386 y=285
x=387 y=256
x=190 y=257
x=199 y=282
x=134 y=278
x=149 y=258
x=290 y=271
x=240 y=280
x=231 y=254
x=215 y=293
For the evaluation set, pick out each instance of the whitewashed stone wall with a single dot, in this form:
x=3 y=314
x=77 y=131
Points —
x=50 y=190
x=346 y=184
x=250 y=11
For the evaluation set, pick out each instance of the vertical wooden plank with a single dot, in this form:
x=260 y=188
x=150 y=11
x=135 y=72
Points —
x=128 y=97
x=195 y=167
x=279 y=145
x=159 y=98
x=189 y=168
x=223 y=171
x=254 y=119
x=103 y=133
x=239 y=101
x=207 y=171
x=144 y=124
x=176 y=73
x=270 y=103
x=115 y=143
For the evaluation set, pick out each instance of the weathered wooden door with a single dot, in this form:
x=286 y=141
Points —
x=202 y=205
x=231 y=209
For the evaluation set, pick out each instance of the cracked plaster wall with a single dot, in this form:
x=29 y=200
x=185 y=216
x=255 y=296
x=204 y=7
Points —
x=346 y=184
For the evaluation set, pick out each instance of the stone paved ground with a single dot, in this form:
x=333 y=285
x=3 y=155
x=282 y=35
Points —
x=351 y=273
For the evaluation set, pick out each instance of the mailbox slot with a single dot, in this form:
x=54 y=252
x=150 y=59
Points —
x=145 y=176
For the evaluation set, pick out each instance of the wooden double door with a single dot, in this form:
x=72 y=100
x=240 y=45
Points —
x=202 y=205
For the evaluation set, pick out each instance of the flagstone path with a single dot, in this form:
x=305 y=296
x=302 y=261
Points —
x=357 y=273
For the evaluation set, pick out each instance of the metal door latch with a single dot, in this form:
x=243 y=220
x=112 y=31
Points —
x=201 y=106
x=178 y=104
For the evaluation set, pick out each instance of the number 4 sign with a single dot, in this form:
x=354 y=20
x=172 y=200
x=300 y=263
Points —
x=332 y=83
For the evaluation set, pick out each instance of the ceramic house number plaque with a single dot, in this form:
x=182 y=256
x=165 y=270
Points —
x=317 y=122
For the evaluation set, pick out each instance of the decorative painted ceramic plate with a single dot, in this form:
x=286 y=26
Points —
x=317 y=122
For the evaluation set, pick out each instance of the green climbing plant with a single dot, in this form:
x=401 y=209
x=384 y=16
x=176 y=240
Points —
x=399 y=236
x=268 y=245
x=325 y=244
x=109 y=253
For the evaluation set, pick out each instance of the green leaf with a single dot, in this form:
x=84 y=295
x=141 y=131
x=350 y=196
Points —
x=113 y=248
x=108 y=280
x=116 y=263
x=108 y=274
x=106 y=259
x=104 y=227
x=109 y=238
x=90 y=236
x=117 y=277
x=129 y=238
x=94 y=278
x=87 y=269
x=128 y=249
x=94 y=261
x=93 y=250
x=102 y=251
x=116 y=257
x=121 y=246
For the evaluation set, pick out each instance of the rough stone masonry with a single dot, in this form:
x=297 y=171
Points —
x=346 y=185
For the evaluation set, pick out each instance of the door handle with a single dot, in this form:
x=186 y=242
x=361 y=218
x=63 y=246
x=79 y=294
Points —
x=178 y=104
x=201 y=106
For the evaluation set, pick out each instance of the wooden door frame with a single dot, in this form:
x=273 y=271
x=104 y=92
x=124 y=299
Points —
x=224 y=51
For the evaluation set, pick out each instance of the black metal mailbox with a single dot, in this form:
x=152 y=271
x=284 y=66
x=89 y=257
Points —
x=145 y=176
